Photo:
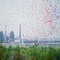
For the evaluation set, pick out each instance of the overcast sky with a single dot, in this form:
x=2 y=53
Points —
x=38 y=18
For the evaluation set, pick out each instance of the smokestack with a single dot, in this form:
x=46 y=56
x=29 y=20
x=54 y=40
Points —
x=20 y=37
x=5 y=34
x=20 y=32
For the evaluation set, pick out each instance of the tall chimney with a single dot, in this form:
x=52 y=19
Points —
x=5 y=34
x=20 y=32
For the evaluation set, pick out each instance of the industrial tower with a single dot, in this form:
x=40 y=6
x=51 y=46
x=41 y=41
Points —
x=20 y=37
x=5 y=38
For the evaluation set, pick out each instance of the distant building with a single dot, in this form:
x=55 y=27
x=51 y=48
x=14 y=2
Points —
x=5 y=38
x=11 y=36
x=1 y=36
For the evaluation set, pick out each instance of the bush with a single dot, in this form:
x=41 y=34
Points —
x=2 y=52
x=29 y=53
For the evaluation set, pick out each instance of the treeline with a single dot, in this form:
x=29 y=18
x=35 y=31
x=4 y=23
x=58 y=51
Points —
x=29 y=53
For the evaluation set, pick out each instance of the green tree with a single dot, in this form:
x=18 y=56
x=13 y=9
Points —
x=2 y=52
x=58 y=54
x=17 y=53
x=51 y=53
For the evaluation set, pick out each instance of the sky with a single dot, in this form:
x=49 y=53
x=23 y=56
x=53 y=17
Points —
x=38 y=18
